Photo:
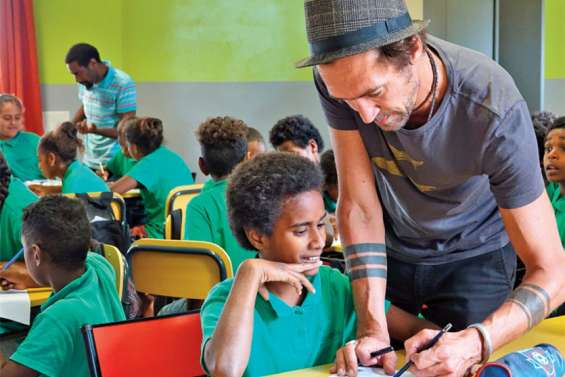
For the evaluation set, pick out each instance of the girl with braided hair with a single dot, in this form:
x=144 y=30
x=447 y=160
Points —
x=58 y=150
x=14 y=197
x=18 y=146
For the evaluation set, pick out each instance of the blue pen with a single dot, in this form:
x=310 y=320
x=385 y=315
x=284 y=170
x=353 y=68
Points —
x=14 y=258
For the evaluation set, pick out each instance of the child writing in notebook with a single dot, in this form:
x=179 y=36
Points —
x=18 y=146
x=56 y=239
x=14 y=197
x=283 y=310
x=122 y=162
x=58 y=150
x=157 y=171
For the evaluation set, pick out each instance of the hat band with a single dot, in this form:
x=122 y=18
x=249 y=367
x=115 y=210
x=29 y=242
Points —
x=377 y=31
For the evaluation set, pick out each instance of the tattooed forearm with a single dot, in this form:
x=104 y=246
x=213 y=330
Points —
x=533 y=300
x=365 y=260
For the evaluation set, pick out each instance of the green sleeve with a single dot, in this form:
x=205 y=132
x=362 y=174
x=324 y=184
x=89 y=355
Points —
x=211 y=311
x=146 y=172
x=46 y=347
x=198 y=225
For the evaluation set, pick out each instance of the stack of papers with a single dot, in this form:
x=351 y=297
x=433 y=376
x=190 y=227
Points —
x=15 y=306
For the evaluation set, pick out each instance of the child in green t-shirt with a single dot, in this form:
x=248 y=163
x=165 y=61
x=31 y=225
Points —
x=554 y=168
x=157 y=171
x=14 y=197
x=122 y=162
x=283 y=310
x=58 y=150
x=223 y=145
x=18 y=146
x=56 y=238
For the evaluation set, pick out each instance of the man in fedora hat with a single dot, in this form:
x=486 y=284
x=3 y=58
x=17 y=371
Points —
x=436 y=155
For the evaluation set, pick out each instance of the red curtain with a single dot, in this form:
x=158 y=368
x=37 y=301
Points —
x=19 y=73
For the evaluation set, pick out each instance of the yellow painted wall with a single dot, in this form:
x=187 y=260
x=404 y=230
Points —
x=554 y=39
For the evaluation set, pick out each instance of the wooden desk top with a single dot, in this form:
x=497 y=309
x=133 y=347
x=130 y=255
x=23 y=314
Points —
x=38 y=296
x=550 y=331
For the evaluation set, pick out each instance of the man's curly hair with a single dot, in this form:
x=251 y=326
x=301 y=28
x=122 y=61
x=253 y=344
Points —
x=298 y=129
x=223 y=142
x=259 y=188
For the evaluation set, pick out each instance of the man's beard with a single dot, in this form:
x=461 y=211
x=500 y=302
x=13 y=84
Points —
x=87 y=84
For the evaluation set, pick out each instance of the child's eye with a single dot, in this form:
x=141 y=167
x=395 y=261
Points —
x=300 y=231
x=321 y=225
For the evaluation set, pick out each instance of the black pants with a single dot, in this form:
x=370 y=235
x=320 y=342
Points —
x=461 y=292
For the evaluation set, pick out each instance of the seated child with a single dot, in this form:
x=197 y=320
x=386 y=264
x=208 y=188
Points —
x=58 y=151
x=330 y=188
x=554 y=168
x=14 y=197
x=19 y=147
x=121 y=163
x=255 y=143
x=157 y=171
x=56 y=238
x=283 y=310
x=223 y=145
x=296 y=134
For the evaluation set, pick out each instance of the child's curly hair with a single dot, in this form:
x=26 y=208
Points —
x=223 y=142
x=62 y=141
x=259 y=188
x=145 y=133
x=298 y=129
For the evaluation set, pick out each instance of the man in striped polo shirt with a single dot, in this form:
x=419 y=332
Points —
x=107 y=95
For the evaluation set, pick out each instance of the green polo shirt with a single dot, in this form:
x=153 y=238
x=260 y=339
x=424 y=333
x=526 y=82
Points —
x=207 y=220
x=18 y=198
x=21 y=154
x=119 y=165
x=285 y=337
x=558 y=204
x=80 y=179
x=54 y=346
x=329 y=204
x=158 y=173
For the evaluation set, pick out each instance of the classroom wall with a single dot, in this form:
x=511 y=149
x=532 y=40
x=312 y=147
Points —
x=554 y=56
x=190 y=60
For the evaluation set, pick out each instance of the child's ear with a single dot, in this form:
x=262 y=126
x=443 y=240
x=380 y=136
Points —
x=256 y=239
x=51 y=159
x=36 y=255
x=313 y=146
x=202 y=166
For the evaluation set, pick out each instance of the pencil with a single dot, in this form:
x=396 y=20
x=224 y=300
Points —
x=428 y=345
x=13 y=259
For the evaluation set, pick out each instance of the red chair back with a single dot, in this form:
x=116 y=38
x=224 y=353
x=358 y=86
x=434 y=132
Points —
x=167 y=346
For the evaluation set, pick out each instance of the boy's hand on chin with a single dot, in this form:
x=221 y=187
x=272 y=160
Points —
x=291 y=273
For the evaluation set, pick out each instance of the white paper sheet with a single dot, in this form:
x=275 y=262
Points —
x=15 y=305
x=373 y=372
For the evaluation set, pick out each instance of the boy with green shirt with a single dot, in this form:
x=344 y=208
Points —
x=56 y=238
x=554 y=168
x=223 y=145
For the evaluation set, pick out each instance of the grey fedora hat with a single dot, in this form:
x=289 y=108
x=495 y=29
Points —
x=339 y=28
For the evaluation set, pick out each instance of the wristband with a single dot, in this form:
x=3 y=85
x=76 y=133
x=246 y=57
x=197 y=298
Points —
x=486 y=341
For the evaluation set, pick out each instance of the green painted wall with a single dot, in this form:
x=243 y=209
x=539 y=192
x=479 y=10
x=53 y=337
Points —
x=177 y=40
x=554 y=36
x=61 y=23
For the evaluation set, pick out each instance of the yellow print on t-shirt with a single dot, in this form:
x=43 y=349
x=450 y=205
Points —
x=392 y=167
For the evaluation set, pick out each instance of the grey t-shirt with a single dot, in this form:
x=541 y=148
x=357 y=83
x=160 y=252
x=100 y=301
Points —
x=440 y=184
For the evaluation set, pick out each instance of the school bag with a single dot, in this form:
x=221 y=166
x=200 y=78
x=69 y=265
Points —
x=104 y=226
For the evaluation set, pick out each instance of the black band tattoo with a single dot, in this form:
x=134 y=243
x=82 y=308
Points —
x=533 y=300
x=365 y=260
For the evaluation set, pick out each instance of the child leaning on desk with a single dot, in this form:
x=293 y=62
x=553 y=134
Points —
x=56 y=238
x=283 y=310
